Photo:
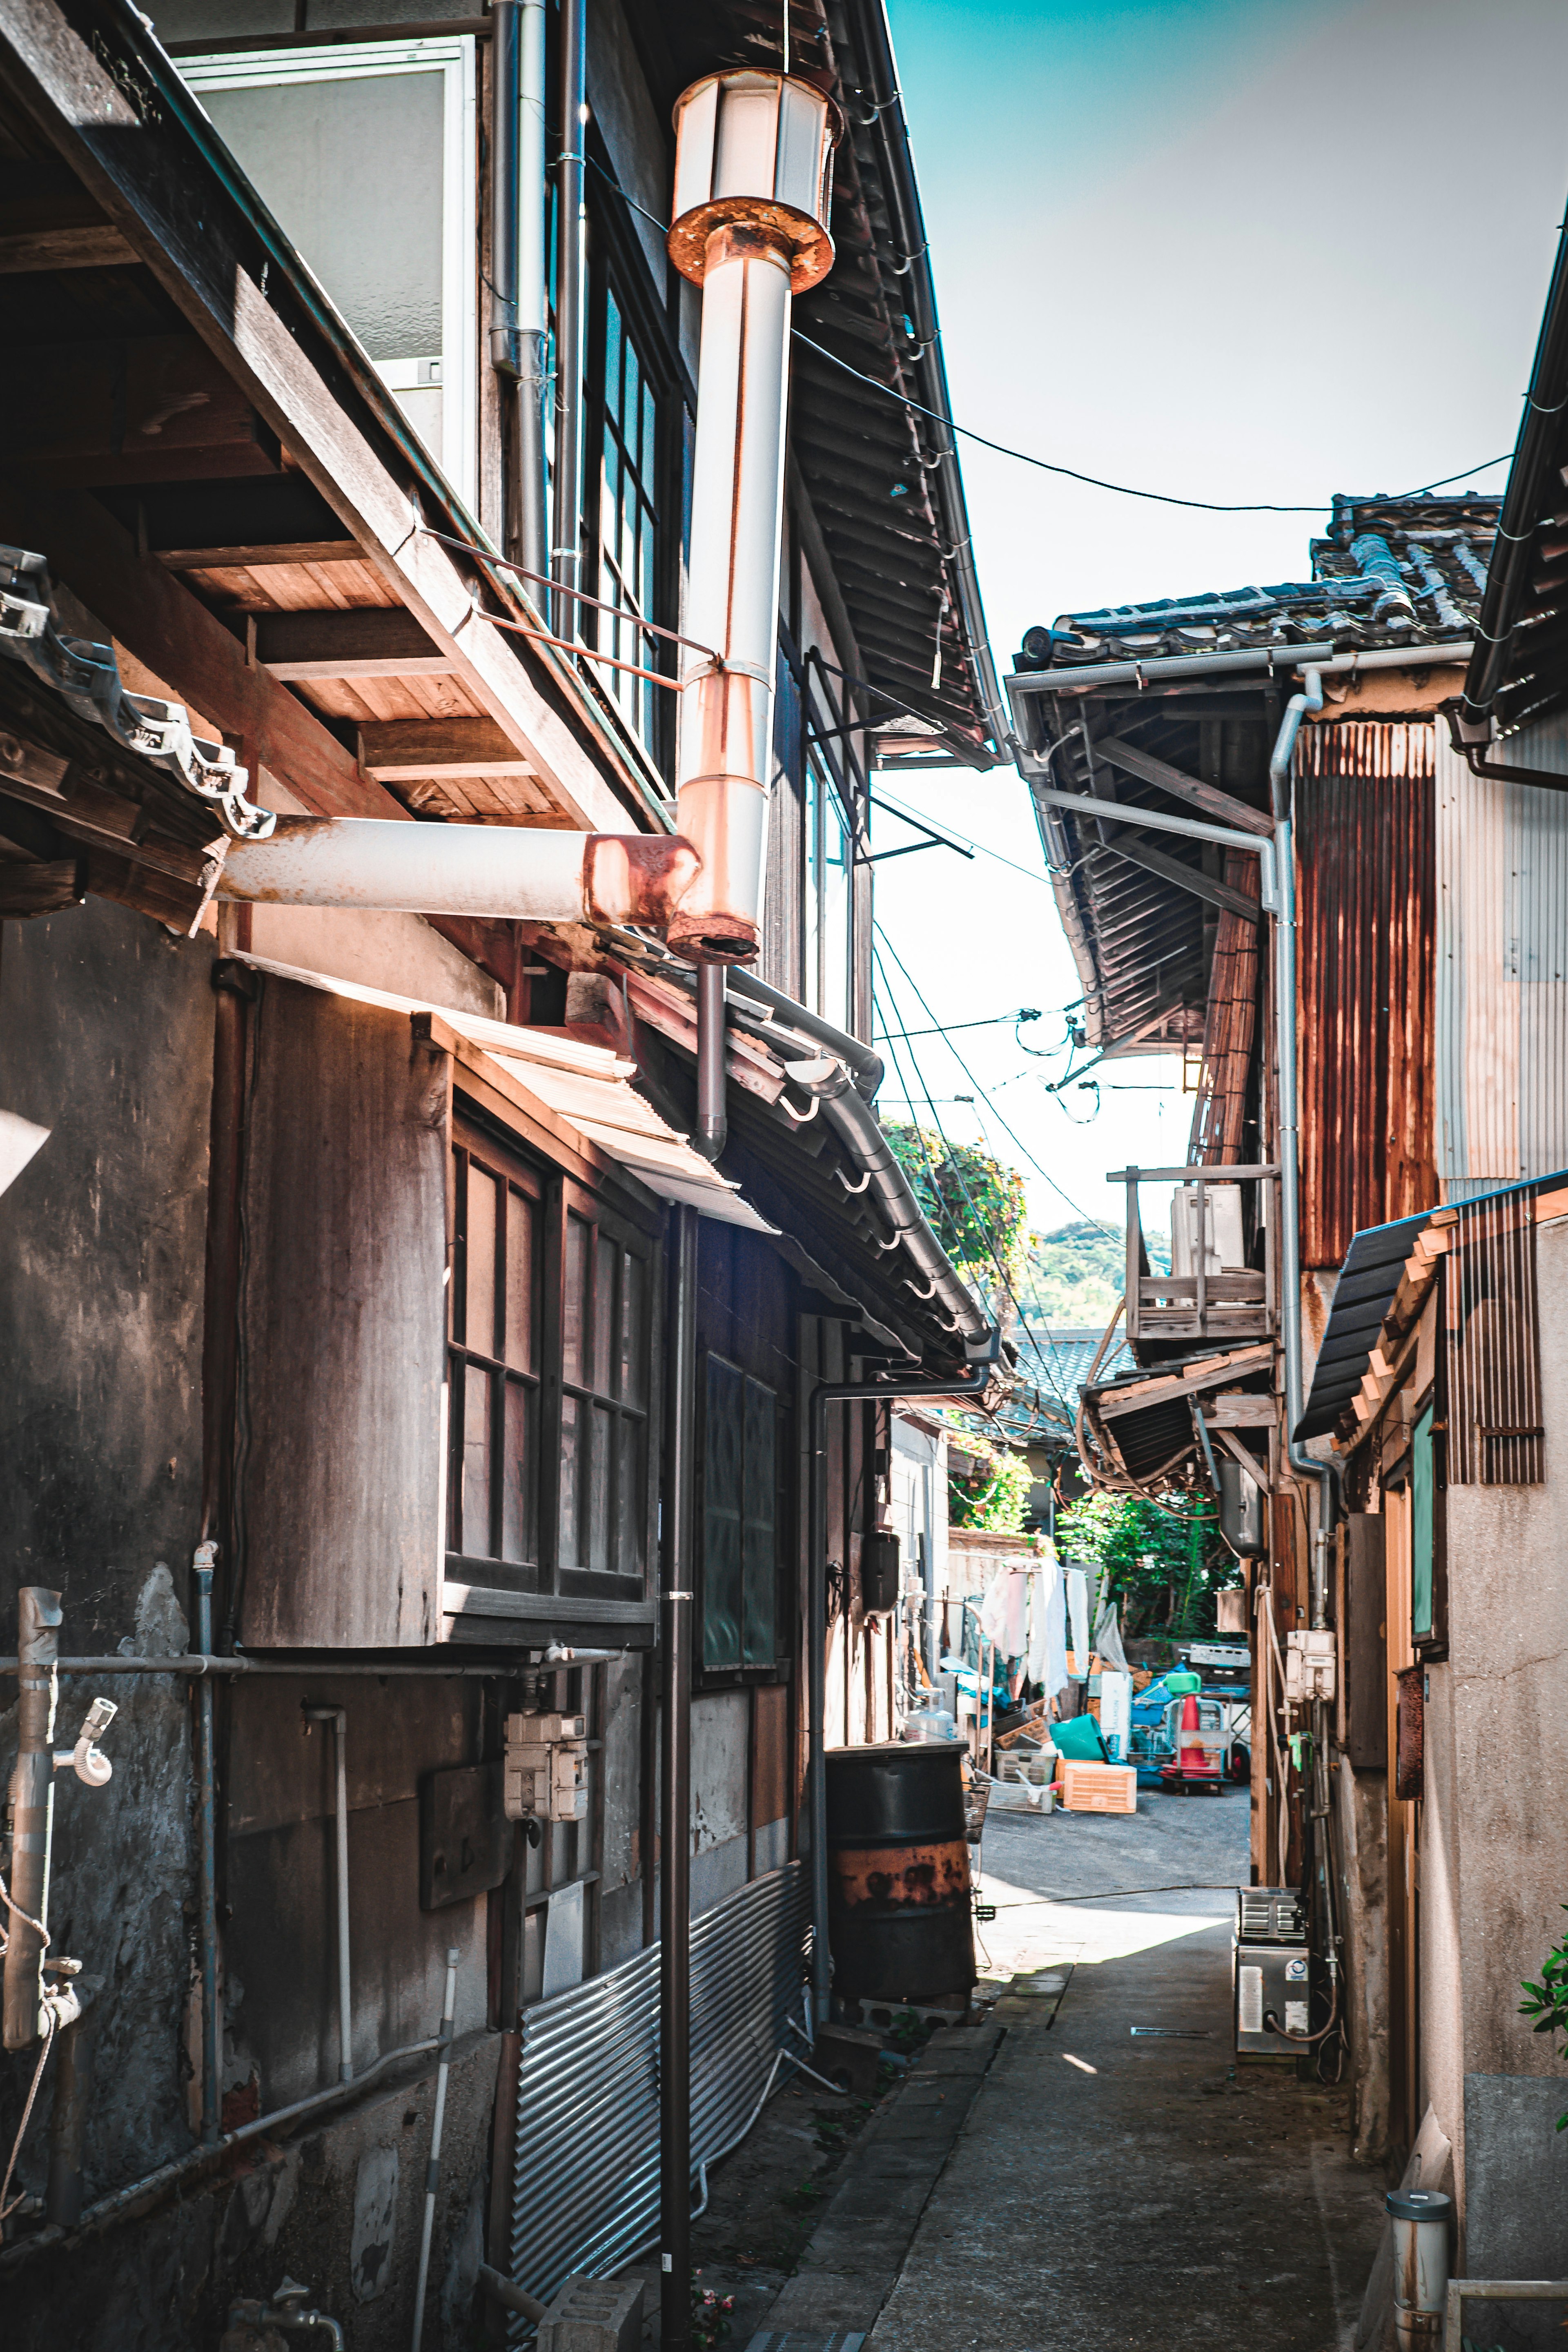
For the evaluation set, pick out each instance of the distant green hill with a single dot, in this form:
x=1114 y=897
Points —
x=1076 y=1275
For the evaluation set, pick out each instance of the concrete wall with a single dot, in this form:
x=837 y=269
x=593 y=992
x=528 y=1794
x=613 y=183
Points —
x=106 y=1039
x=1495 y=1836
x=1361 y=1827
x=720 y=1733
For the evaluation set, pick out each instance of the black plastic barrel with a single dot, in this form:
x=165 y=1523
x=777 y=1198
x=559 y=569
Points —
x=900 y=1920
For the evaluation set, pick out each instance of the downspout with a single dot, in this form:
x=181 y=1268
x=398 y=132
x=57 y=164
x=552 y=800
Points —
x=983 y=1353
x=674 y=1777
x=1305 y=1464
x=753 y=156
x=517 y=263
x=571 y=281
x=32 y=1813
x=712 y=1125
x=319 y=1712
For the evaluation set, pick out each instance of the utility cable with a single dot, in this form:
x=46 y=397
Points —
x=984 y=1098
x=1122 y=489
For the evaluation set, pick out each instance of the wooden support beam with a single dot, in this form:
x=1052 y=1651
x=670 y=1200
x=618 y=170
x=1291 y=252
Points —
x=154 y=408
x=107 y=96
x=249 y=559
x=1139 y=851
x=363 y=641
x=164 y=625
x=48 y=221
x=404 y=749
x=1221 y=806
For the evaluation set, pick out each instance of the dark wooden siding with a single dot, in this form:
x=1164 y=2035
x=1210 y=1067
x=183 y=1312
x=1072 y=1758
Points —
x=1366 y=997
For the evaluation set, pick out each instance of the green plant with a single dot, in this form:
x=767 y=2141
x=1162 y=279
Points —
x=1166 y=1568
x=996 y=1498
x=976 y=1207
x=1548 y=2002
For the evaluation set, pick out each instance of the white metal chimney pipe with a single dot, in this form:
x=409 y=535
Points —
x=753 y=158
x=524 y=873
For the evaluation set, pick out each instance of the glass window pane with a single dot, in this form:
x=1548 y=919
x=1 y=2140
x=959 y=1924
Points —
x=602 y=1373
x=574 y=1325
x=521 y=1298
x=630 y=1498
x=835 y=1003
x=479 y=1331
x=517 y=1485
x=570 y=1482
x=476 y=1520
x=600 y=1433
x=760 y=1548
x=612 y=353
x=1423 y=1486
x=645 y=466
x=634 y=1331
x=722 y=1562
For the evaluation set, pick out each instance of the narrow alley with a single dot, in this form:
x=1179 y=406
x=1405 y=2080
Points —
x=784 y=1176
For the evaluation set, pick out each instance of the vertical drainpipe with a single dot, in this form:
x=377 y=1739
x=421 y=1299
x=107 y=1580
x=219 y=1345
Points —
x=517 y=264
x=32 y=1809
x=675 y=1791
x=206 y=1837
x=571 y=275
x=713 y=1125
x=1306 y=1464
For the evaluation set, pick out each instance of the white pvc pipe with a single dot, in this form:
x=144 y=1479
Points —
x=433 y=2169
x=527 y=874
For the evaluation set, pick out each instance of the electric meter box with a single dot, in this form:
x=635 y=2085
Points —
x=1273 y=1973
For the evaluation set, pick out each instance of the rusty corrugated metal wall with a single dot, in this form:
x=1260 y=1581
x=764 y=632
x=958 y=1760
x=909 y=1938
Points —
x=1219 y=1115
x=1366 y=1016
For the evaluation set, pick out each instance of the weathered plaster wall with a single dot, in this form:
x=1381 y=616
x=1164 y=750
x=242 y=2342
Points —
x=338 y=2204
x=720 y=1732
x=106 y=1039
x=1498 y=1810
x=1361 y=1802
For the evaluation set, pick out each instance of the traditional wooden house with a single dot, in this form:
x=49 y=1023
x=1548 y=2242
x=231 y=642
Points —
x=412 y=1262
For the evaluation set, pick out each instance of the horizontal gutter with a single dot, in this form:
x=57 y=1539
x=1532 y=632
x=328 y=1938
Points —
x=1092 y=674
x=1513 y=549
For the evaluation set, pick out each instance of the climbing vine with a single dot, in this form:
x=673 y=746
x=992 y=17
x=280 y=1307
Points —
x=1548 y=2002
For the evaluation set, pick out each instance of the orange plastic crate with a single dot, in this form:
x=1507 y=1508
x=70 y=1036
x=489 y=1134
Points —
x=1099 y=1787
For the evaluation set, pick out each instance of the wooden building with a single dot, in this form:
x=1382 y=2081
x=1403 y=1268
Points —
x=339 y=1238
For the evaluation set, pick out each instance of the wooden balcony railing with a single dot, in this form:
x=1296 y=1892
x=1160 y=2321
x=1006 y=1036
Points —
x=1222 y=1297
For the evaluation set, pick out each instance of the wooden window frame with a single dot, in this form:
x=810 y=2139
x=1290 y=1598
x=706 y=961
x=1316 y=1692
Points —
x=777 y=1669
x=564 y=1584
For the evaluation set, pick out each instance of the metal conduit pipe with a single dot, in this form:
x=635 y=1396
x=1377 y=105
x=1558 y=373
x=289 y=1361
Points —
x=570 y=283
x=116 y=2206
x=516 y=261
x=986 y=1348
x=197 y=1664
x=206 y=1817
x=1306 y=1466
x=675 y=1795
x=712 y=1125
x=512 y=872
x=338 y=1718
x=862 y=1137
x=32 y=1813
x=754 y=153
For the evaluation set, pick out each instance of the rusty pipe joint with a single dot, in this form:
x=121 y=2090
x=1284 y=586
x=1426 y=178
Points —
x=753 y=173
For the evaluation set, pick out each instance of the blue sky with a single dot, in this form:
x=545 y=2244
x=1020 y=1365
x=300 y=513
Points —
x=1235 y=252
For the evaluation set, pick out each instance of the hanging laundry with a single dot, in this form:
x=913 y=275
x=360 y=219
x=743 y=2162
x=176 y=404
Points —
x=1002 y=1615
x=1048 y=1626
x=1107 y=1637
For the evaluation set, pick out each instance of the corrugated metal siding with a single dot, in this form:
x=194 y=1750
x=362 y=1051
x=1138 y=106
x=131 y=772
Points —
x=1502 y=968
x=1493 y=1352
x=585 y=2172
x=1366 y=944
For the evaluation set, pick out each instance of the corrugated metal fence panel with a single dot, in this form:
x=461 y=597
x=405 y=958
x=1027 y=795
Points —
x=1493 y=1363
x=1502 y=968
x=1366 y=1015
x=585 y=2173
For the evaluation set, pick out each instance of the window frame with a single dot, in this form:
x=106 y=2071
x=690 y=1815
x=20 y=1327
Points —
x=452 y=55
x=777 y=1669
x=557 y=1587
x=621 y=276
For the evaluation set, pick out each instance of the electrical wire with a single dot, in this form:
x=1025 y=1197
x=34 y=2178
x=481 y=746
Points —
x=1162 y=497
x=984 y=1098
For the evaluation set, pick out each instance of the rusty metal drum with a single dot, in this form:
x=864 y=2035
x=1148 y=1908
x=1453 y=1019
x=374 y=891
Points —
x=899 y=1917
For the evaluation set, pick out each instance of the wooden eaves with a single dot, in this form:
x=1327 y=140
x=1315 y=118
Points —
x=106 y=99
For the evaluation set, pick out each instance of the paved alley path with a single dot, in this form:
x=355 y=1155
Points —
x=1139 y=2197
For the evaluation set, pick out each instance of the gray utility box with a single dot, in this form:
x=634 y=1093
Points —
x=1272 y=1970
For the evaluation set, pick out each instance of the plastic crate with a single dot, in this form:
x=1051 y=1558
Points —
x=1099 y=1787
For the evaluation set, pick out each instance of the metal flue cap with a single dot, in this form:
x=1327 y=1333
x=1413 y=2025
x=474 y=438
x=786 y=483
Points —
x=1418 y=2204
